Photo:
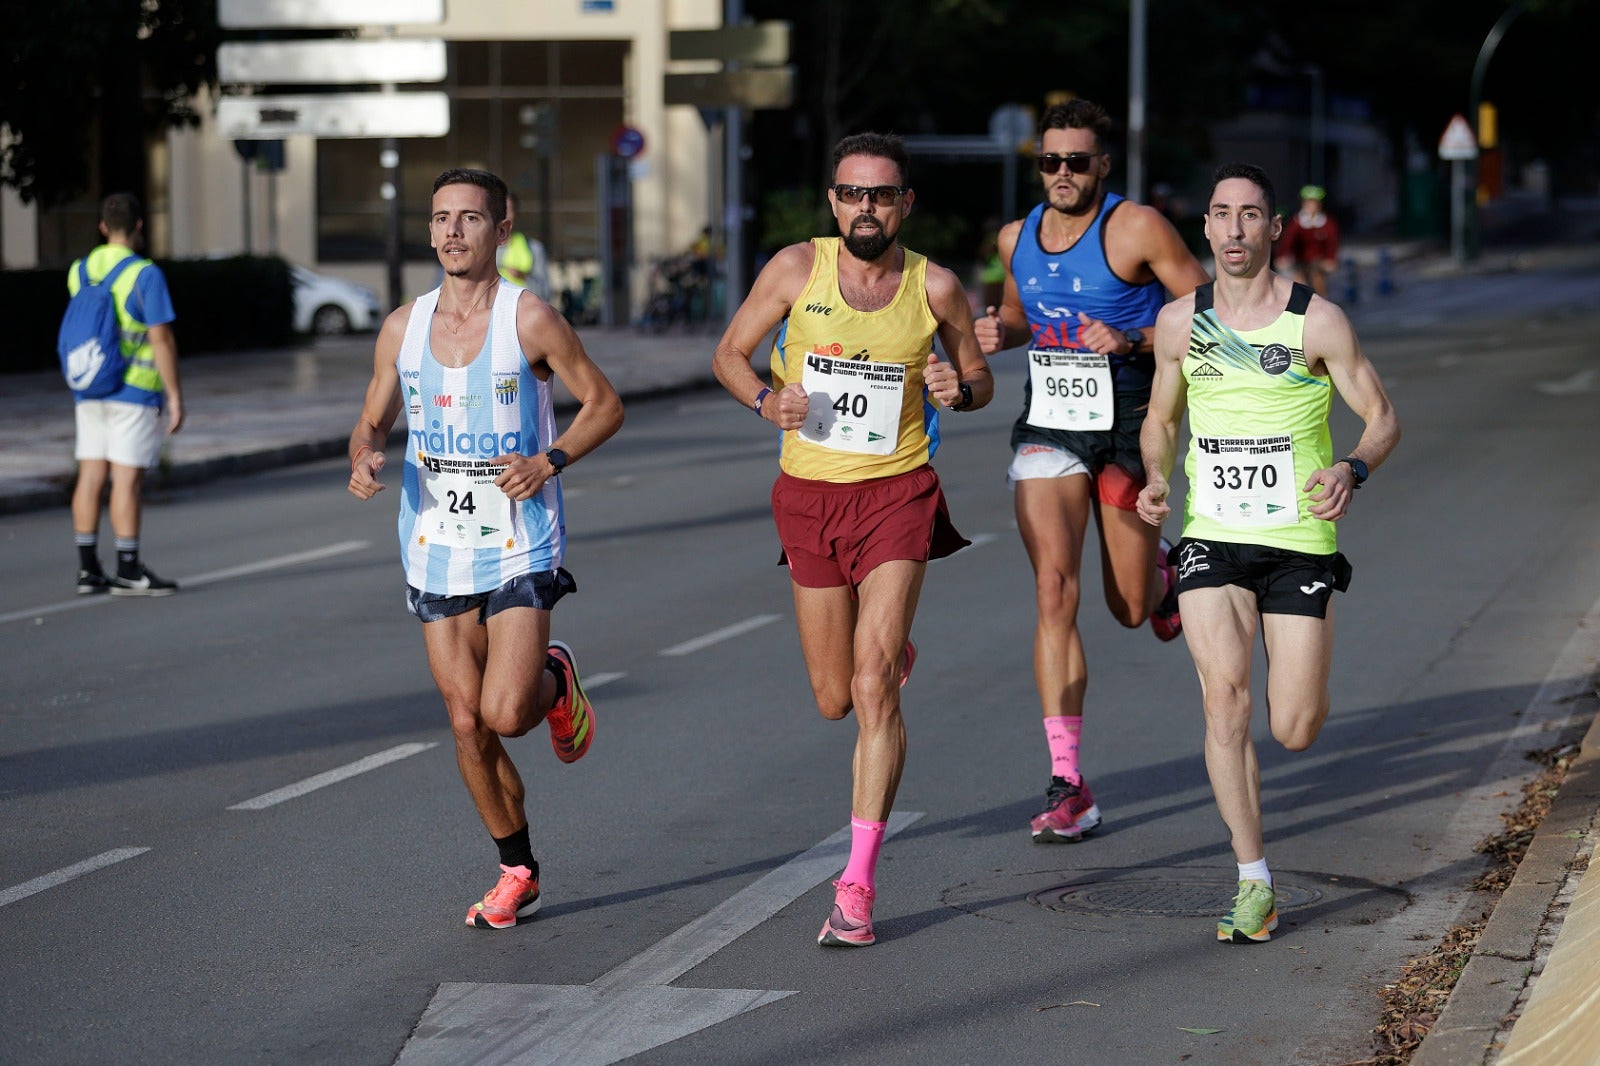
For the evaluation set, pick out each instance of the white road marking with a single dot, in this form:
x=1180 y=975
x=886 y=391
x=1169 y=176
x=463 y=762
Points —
x=279 y=563
x=688 y=647
x=331 y=777
x=60 y=877
x=631 y=1008
x=1582 y=381
x=591 y=683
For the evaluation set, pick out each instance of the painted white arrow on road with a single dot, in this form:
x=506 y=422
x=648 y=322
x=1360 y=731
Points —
x=629 y=1009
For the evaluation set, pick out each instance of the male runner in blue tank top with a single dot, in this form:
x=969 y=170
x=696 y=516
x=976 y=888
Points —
x=482 y=529
x=1255 y=359
x=1086 y=273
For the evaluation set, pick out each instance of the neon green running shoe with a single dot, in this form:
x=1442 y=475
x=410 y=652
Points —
x=1254 y=915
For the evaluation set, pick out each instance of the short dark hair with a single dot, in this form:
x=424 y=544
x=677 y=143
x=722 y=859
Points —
x=484 y=180
x=1249 y=172
x=1078 y=114
x=883 y=145
x=121 y=212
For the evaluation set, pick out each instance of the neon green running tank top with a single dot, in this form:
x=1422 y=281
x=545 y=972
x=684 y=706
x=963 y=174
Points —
x=1258 y=420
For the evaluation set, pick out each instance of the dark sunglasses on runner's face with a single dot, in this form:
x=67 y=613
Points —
x=882 y=195
x=1077 y=162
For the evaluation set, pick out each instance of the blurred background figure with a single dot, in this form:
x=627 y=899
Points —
x=522 y=259
x=1310 y=241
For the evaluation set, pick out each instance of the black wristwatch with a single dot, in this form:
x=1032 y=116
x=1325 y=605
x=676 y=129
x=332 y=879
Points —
x=1135 y=338
x=558 y=459
x=1358 y=469
x=966 y=397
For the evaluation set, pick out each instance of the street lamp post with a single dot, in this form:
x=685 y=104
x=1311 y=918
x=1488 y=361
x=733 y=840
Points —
x=1480 y=69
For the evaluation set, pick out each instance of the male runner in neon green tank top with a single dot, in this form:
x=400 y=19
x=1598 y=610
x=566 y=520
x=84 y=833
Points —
x=1255 y=358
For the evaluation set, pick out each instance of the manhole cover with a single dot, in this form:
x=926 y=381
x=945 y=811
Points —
x=1157 y=897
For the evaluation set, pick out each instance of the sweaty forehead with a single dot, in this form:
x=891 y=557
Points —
x=866 y=170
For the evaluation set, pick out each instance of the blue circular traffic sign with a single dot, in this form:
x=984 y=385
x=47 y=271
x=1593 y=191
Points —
x=627 y=142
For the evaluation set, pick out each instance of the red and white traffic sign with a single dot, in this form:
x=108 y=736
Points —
x=1458 y=141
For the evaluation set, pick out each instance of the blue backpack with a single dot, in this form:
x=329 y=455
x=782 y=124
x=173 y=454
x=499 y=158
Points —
x=90 y=341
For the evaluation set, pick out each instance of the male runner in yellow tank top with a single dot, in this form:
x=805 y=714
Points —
x=1255 y=357
x=859 y=511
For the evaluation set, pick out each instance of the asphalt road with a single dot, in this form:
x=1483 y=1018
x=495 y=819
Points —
x=233 y=829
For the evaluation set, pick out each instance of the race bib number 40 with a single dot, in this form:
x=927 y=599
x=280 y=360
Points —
x=1071 y=390
x=854 y=404
x=461 y=505
x=1246 y=481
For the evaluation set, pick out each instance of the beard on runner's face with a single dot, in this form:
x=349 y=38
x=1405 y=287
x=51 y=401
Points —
x=868 y=244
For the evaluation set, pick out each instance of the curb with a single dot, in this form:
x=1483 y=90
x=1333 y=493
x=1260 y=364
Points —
x=57 y=494
x=1506 y=961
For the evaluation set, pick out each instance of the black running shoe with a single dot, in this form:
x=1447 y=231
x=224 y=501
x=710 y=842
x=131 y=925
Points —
x=145 y=583
x=92 y=581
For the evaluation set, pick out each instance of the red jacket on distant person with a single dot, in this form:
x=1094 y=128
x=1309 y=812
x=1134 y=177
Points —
x=1318 y=243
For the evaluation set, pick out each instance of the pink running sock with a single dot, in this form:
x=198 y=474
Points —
x=1063 y=731
x=865 y=840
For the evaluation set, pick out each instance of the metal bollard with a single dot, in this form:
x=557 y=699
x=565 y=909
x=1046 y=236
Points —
x=1385 y=272
x=1352 y=284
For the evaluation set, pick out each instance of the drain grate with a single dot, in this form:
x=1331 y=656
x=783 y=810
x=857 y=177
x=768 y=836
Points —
x=1153 y=897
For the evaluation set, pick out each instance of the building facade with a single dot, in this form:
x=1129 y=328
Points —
x=540 y=91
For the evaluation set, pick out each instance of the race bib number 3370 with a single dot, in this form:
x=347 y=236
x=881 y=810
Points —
x=854 y=404
x=462 y=506
x=1246 y=481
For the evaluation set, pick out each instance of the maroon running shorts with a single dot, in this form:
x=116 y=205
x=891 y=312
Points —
x=835 y=533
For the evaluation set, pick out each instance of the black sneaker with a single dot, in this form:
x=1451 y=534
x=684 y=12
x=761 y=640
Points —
x=92 y=581
x=145 y=584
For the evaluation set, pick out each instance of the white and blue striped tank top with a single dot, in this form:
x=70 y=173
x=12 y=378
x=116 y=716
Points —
x=459 y=534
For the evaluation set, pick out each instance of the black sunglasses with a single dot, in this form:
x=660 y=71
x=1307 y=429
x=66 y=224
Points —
x=882 y=195
x=1077 y=162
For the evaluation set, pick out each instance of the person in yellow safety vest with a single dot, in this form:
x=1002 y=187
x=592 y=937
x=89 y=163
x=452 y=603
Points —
x=119 y=436
x=522 y=261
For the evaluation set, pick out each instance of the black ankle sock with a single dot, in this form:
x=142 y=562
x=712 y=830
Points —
x=89 y=558
x=515 y=850
x=127 y=563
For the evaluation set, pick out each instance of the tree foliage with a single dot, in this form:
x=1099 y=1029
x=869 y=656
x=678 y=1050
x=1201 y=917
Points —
x=943 y=66
x=89 y=80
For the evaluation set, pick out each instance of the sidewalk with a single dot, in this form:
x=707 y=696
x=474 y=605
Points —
x=255 y=410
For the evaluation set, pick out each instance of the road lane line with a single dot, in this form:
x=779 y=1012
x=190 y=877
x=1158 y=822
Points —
x=60 y=877
x=279 y=563
x=332 y=777
x=689 y=647
x=601 y=679
x=631 y=1008
x=198 y=579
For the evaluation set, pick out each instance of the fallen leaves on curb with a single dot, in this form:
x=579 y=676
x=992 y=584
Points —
x=1413 y=1002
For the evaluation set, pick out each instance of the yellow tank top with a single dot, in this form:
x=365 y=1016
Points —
x=870 y=416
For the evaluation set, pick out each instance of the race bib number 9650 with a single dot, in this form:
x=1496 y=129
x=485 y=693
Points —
x=1071 y=390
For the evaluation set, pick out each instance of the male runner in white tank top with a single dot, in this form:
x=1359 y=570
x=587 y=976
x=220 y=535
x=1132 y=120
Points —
x=481 y=527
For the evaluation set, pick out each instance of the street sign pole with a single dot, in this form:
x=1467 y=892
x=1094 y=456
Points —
x=1459 y=146
x=733 y=186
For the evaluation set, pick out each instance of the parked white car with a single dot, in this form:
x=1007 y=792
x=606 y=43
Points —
x=327 y=306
